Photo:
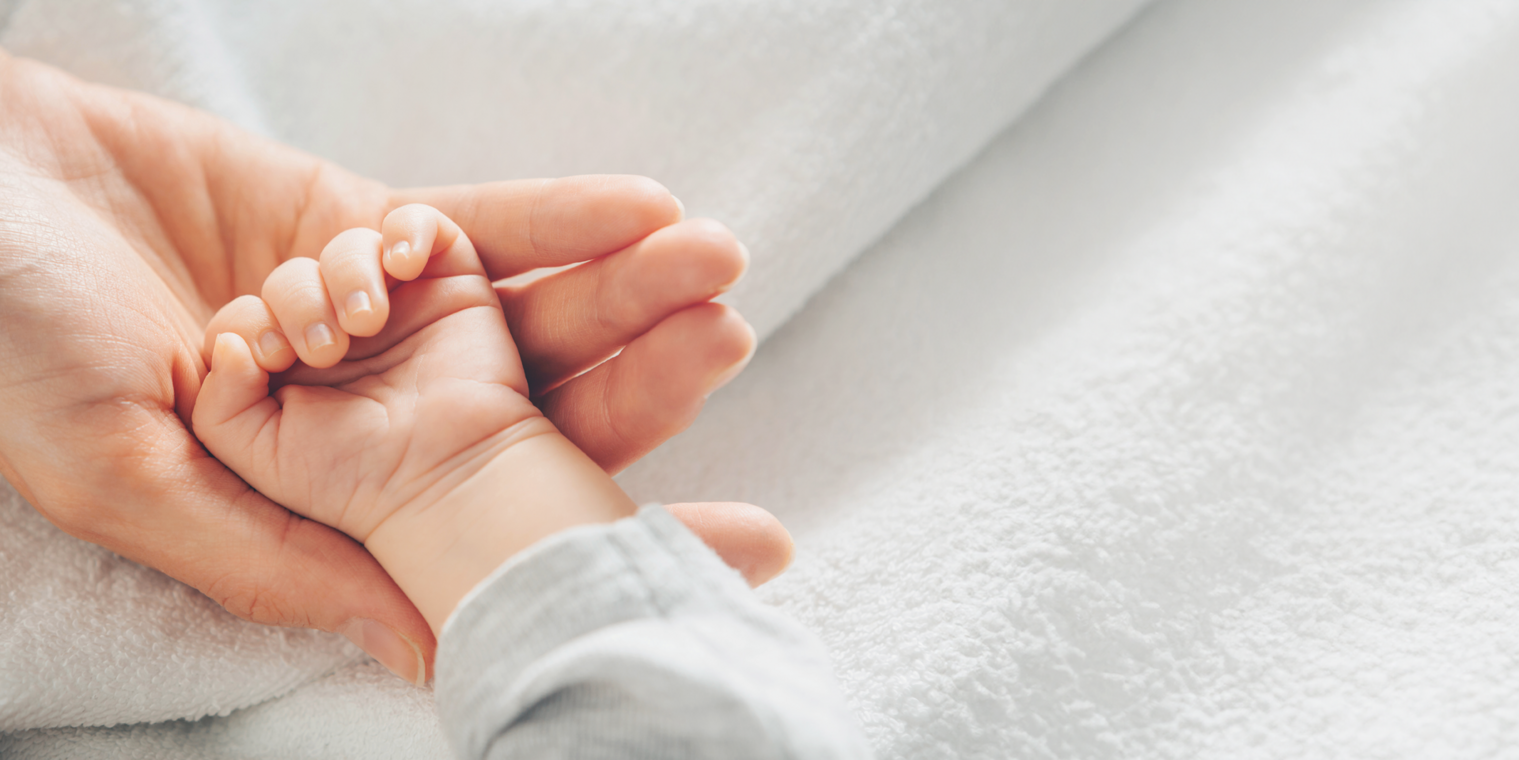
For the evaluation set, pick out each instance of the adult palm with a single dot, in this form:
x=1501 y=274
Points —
x=126 y=221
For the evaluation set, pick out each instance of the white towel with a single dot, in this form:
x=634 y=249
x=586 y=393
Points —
x=89 y=638
x=1181 y=424
x=1184 y=423
x=809 y=127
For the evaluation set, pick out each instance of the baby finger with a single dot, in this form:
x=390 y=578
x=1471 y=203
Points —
x=355 y=283
x=254 y=322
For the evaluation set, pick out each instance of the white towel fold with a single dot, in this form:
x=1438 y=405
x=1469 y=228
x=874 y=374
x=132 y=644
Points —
x=809 y=127
x=1184 y=423
x=1181 y=424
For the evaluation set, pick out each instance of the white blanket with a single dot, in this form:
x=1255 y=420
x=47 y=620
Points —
x=809 y=127
x=1182 y=423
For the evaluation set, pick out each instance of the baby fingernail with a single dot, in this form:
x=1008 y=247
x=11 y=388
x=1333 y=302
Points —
x=680 y=206
x=399 y=252
x=270 y=343
x=358 y=304
x=388 y=648
x=319 y=336
x=219 y=350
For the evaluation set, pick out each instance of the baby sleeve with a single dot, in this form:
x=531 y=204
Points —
x=633 y=640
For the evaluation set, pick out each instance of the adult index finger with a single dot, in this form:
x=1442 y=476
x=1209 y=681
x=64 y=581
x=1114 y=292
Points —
x=521 y=225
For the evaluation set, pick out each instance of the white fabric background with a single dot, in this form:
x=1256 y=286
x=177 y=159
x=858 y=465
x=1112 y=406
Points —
x=1185 y=422
x=1182 y=423
x=809 y=127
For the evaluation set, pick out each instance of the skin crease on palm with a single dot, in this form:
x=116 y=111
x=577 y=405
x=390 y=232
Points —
x=127 y=221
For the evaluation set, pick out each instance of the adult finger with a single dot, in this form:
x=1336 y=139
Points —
x=521 y=225
x=749 y=539
x=177 y=509
x=630 y=404
x=574 y=319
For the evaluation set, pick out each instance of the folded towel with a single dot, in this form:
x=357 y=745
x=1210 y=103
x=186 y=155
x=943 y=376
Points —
x=89 y=638
x=809 y=127
x=1184 y=423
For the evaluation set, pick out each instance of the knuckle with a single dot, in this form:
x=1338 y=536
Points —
x=244 y=314
x=289 y=277
x=249 y=304
x=351 y=242
x=414 y=209
x=413 y=217
x=299 y=293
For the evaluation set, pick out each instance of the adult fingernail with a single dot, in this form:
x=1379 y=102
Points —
x=722 y=378
x=388 y=648
x=743 y=253
x=270 y=343
x=319 y=336
x=358 y=304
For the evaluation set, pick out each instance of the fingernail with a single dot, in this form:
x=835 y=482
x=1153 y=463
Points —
x=388 y=648
x=270 y=343
x=398 y=252
x=219 y=351
x=319 y=336
x=682 y=208
x=743 y=250
x=358 y=304
x=728 y=374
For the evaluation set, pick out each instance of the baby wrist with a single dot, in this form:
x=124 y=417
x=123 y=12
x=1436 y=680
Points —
x=533 y=489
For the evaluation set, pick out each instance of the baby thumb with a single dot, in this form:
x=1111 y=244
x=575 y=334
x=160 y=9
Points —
x=235 y=387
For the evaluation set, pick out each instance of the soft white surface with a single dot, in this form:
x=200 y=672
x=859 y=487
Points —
x=360 y=712
x=808 y=126
x=89 y=638
x=1184 y=423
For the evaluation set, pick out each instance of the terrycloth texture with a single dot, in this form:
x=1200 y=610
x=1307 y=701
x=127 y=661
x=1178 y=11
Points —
x=88 y=638
x=807 y=126
x=1182 y=424
x=1185 y=423
x=361 y=711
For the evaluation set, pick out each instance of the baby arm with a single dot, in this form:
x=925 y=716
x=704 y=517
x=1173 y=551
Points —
x=407 y=427
x=573 y=631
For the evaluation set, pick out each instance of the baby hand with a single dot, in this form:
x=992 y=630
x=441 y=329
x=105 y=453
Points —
x=402 y=393
x=406 y=423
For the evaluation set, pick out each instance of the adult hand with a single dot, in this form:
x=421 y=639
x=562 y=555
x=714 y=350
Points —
x=126 y=221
